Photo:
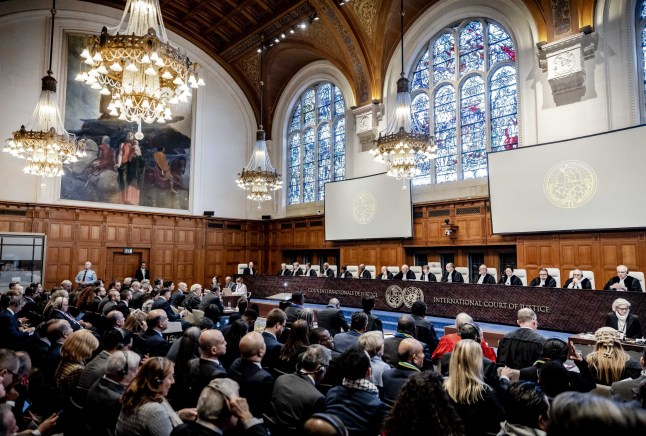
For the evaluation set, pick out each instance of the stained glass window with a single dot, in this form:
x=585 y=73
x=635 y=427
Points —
x=464 y=93
x=316 y=146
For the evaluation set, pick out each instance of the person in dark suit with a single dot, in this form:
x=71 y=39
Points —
x=296 y=269
x=450 y=275
x=624 y=390
x=344 y=273
x=327 y=271
x=163 y=304
x=623 y=282
x=405 y=274
x=544 y=280
x=38 y=344
x=331 y=318
x=60 y=306
x=427 y=275
x=484 y=278
x=152 y=341
x=207 y=367
x=194 y=298
x=309 y=272
x=364 y=273
x=255 y=383
x=508 y=278
x=623 y=321
x=406 y=328
x=250 y=270
x=57 y=333
x=123 y=305
x=358 y=323
x=142 y=272
x=103 y=402
x=295 y=397
x=374 y=323
x=12 y=335
x=424 y=330
x=219 y=408
x=274 y=326
x=411 y=359
x=283 y=270
x=385 y=274
x=214 y=297
x=577 y=281
x=295 y=308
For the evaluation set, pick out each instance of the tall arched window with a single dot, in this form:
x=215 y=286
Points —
x=464 y=94
x=316 y=143
x=641 y=37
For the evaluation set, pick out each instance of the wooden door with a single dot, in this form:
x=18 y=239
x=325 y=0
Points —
x=122 y=265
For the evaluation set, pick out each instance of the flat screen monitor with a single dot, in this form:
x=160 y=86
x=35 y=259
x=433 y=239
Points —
x=589 y=183
x=371 y=207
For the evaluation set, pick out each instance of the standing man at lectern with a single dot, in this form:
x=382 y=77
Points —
x=451 y=275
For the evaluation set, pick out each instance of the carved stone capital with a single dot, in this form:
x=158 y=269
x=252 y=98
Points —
x=564 y=61
x=367 y=122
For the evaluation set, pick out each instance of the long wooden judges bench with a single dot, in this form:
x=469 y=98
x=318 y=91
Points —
x=574 y=311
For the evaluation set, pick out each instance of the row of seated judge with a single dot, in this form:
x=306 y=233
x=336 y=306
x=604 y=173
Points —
x=578 y=279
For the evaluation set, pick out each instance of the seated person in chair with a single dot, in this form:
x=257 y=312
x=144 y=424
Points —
x=577 y=281
x=544 y=280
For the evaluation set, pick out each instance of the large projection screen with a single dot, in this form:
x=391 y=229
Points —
x=372 y=207
x=589 y=183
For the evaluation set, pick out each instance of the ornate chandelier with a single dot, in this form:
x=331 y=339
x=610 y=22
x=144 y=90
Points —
x=140 y=70
x=44 y=143
x=259 y=177
x=401 y=149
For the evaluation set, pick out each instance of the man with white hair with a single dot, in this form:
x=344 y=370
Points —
x=194 y=298
x=283 y=270
x=405 y=274
x=219 y=408
x=522 y=347
x=86 y=275
x=623 y=282
x=447 y=343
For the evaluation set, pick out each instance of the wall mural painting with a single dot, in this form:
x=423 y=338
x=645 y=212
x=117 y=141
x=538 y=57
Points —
x=118 y=169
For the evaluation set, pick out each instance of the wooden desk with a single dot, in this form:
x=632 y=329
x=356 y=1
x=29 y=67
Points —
x=584 y=339
x=283 y=296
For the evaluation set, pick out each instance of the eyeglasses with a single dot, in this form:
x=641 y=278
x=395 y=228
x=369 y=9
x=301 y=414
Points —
x=622 y=308
x=577 y=275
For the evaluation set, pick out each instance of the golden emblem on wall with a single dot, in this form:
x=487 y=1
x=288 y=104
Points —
x=394 y=296
x=570 y=184
x=411 y=295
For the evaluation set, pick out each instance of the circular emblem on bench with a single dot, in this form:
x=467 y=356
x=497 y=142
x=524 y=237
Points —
x=394 y=296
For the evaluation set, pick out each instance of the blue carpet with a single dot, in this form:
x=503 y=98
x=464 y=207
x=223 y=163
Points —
x=389 y=320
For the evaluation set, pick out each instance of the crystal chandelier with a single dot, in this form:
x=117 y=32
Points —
x=259 y=177
x=140 y=70
x=401 y=149
x=44 y=143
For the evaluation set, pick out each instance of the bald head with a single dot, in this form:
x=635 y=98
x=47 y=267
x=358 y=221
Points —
x=252 y=347
x=212 y=343
x=411 y=351
x=321 y=424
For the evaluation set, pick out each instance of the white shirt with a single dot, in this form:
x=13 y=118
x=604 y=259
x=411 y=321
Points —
x=449 y=277
x=241 y=289
x=481 y=279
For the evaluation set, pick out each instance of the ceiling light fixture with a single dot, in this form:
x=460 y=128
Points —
x=401 y=149
x=44 y=143
x=259 y=177
x=142 y=72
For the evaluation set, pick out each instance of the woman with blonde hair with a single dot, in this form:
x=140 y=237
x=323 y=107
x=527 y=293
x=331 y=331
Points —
x=75 y=351
x=145 y=410
x=136 y=322
x=609 y=362
x=475 y=401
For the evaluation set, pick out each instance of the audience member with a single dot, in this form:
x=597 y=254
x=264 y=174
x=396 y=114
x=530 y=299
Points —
x=356 y=402
x=295 y=308
x=274 y=327
x=609 y=362
x=475 y=401
x=103 y=404
x=527 y=410
x=405 y=329
x=447 y=342
x=113 y=341
x=207 y=367
x=331 y=318
x=373 y=344
x=412 y=416
x=411 y=360
x=12 y=335
x=220 y=408
x=145 y=410
x=374 y=323
x=424 y=329
x=358 y=323
x=522 y=347
x=255 y=383
x=297 y=343
x=152 y=341
x=324 y=424
x=295 y=398
x=627 y=390
x=232 y=335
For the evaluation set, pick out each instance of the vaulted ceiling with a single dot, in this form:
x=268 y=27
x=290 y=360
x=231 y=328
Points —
x=359 y=37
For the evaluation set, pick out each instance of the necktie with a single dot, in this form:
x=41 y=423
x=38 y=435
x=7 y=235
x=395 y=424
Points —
x=84 y=275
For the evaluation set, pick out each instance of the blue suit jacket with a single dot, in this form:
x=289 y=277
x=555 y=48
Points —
x=343 y=341
x=10 y=334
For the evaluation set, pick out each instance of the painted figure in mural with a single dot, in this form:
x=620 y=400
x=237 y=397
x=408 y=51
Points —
x=105 y=158
x=130 y=170
x=163 y=173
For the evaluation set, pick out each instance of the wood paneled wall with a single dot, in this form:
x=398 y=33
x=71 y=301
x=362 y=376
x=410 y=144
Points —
x=190 y=248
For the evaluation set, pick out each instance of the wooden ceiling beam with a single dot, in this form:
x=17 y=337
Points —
x=228 y=15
